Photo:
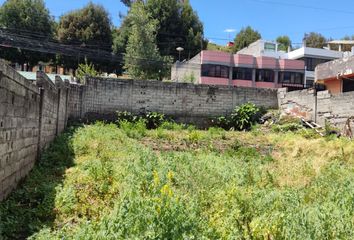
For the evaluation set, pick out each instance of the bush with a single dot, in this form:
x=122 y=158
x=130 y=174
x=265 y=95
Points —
x=242 y=118
x=154 y=119
x=126 y=116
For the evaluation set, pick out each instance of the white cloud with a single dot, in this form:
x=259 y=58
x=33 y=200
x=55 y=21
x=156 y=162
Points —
x=230 y=30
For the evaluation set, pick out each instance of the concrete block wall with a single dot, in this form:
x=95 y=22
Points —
x=74 y=101
x=49 y=109
x=185 y=102
x=30 y=117
x=19 y=127
x=320 y=107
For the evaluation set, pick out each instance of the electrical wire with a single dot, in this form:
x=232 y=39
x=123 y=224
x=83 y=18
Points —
x=303 y=6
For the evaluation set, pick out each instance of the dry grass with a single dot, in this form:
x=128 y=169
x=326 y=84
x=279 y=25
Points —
x=297 y=159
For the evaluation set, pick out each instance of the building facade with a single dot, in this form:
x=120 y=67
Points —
x=337 y=75
x=311 y=56
x=221 y=68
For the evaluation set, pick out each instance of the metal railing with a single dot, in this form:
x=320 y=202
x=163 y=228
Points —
x=296 y=87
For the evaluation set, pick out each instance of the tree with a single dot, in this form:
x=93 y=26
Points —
x=193 y=29
x=284 y=43
x=142 y=59
x=347 y=37
x=215 y=47
x=85 y=69
x=127 y=3
x=245 y=37
x=315 y=40
x=89 y=27
x=31 y=19
x=26 y=15
x=178 y=26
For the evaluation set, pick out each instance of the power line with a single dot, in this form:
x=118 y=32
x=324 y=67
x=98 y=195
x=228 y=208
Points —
x=304 y=6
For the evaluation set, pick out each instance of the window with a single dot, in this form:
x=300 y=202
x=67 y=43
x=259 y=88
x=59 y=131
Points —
x=311 y=63
x=348 y=85
x=269 y=47
x=211 y=70
x=264 y=75
x=310 y=82
x=291 y=77
x=242 y=73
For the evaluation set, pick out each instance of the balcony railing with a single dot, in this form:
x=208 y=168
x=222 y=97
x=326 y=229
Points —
x=296 y=87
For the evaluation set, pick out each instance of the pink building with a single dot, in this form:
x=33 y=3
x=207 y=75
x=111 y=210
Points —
x=221 y=68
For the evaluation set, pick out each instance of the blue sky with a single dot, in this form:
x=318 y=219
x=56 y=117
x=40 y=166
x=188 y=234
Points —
x=270 y=17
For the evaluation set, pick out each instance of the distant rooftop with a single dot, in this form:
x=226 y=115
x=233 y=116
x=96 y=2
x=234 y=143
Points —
x=32 y=76
x=350 y=42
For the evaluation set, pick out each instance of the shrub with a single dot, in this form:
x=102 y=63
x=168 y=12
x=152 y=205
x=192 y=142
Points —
x=242 y=118
x=127 y=116
x=154 y=119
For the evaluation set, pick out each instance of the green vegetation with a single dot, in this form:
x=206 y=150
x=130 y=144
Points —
x=151 y=120
x=242 y=118
x=86 y=69
x=245 y=37
x=315 y=40
x=142 y=59
x=284 y=43
x=175 y=182
x=215 y=47
x=25 y=17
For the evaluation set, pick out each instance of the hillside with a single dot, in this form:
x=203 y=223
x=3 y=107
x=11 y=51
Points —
x=105 y=182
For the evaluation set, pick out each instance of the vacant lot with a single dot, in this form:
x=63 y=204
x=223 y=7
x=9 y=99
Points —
x=103 y=182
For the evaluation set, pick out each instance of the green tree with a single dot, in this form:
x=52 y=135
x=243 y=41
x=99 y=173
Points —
x=347 y=37
x=85 y=69
x=31 y=19
x=142 y=59
x=315 y=40
x=284 y=43
x=193 y=29
x=245 y=37
x=178 y=26
x=127 y=3
x=89 y=27
x=215 y=47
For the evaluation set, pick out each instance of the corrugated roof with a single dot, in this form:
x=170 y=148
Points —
x=350 y=42
x=32 y=76
x=29 y=75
